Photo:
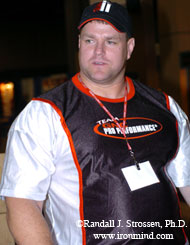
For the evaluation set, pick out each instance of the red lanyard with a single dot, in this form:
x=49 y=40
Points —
x=116 y=122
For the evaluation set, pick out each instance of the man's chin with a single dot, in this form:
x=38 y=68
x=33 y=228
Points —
x=99 y=78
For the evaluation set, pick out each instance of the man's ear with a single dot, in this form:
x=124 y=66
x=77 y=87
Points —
x=79 y=41
x=130 y=47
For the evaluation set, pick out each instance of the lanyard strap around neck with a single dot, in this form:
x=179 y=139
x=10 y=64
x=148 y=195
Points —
x=123 y=129
x=109 y=113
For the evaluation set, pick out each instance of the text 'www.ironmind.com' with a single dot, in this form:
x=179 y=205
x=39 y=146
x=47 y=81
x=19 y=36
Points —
x=120 y=236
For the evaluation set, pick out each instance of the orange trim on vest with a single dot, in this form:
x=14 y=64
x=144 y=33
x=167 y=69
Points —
x=167 y=101
x=131 y=93
x=63 y=123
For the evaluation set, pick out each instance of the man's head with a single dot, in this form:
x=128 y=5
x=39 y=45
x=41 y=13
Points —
x=103 y=47
x=112 y=13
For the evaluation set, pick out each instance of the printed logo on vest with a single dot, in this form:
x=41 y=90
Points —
x=136 y=127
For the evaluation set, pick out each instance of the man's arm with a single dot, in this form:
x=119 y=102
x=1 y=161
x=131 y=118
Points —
x=26 y=222
x=185 y=191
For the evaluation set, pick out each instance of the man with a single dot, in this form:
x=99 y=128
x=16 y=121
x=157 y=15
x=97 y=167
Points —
x=94 y=151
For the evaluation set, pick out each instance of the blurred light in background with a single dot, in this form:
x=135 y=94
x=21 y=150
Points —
x=7 y=97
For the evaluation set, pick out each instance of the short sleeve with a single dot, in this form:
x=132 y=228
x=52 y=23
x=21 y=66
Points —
x=29 y=164
x=179 y=168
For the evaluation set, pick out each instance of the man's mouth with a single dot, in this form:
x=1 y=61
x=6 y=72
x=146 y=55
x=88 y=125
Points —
x=99 y=63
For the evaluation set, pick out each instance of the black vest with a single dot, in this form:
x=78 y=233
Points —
x=102 y=153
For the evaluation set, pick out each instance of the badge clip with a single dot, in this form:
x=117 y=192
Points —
x=134 y=159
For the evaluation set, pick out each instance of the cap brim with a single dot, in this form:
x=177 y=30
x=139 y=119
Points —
x=88 y=20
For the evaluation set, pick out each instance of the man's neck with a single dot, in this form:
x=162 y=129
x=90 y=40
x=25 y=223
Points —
x=107 y=90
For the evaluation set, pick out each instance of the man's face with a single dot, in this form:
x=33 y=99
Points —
x=103 y=52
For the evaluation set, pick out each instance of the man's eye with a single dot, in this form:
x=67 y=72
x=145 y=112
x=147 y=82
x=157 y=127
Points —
x=88 y=41
x=111 y=42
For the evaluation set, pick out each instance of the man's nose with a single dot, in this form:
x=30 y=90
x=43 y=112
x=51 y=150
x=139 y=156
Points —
x=100 y=48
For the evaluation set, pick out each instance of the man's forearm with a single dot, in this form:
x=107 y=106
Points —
x=26 y=222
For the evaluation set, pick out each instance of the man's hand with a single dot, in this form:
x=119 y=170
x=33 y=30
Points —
x=26 y=222
x=185 y=191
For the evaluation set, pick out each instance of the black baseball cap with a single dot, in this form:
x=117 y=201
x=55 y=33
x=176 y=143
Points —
x=113 y=13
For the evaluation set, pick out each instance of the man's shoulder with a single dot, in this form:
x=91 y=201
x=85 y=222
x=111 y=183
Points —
x=57 y=91
x=153 y=95
x=142 y=87
x=61 y=97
